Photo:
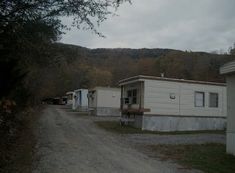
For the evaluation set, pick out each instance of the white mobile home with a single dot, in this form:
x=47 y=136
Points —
x=229 y=70
x=165 y=104
x=104 y=101
x=80 y=100
x=70 y=96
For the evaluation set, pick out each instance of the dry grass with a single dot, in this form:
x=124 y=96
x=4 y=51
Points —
x=114 y=126
x=210 y=158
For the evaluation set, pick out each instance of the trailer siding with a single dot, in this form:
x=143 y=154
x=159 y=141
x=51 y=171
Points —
x=231 y=114
x=108 y=98
x=157 y=98
x=104 y=101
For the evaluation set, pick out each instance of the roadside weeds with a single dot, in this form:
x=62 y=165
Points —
x=17 y=150
x=210 y=157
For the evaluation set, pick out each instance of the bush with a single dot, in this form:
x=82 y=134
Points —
x=16 y=142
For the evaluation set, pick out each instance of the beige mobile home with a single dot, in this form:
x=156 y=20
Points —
x=104 y=101
x=70 y=95
x=165 y=104
x=229 y=70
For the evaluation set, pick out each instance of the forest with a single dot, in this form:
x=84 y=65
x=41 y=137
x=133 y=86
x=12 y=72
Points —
x=74 y=67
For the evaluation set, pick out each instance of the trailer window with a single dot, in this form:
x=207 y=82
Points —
x=132 y=96
x=129 y=93
x=213 y=100
x=199 y=99
x=126 y=101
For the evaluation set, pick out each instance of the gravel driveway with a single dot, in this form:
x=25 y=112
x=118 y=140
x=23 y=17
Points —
x=68 y=143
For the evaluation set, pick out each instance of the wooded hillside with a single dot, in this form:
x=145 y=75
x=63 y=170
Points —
x=73 y=67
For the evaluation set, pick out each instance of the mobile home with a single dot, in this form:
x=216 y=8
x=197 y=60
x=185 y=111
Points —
x=166 y=104
x=229 y=70
x=70 y=96
x=80 y=100
x=104 y=101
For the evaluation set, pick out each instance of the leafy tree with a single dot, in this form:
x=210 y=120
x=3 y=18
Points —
x=232 y=50
x=28 y=28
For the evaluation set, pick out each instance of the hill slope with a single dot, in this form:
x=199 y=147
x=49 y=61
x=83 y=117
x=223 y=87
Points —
x=73 y=67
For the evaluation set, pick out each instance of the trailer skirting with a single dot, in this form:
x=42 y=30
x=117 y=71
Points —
x=231 y=142
x=105 y=111
x=82 y=109
x=177 y=123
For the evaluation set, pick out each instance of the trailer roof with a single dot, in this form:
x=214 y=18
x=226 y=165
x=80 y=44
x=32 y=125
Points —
x=104 y=88
x=80 y=90
x=143 y=77
x=228 y=68
x=69 y=92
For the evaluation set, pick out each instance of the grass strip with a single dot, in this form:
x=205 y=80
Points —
x=115 y=127
x=210 y=157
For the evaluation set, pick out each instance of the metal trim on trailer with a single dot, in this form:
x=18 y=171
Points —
x=143 y=77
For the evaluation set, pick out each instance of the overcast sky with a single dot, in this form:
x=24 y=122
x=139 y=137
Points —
x=197 y=25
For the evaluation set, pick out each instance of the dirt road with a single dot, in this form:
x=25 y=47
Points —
x=69 y=143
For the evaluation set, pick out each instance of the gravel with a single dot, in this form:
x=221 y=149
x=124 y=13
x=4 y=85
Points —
x=69 y=143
